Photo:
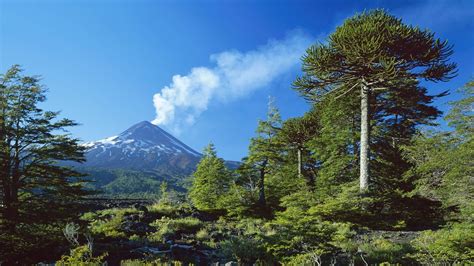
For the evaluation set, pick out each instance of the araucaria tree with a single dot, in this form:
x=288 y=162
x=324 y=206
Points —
x=211 y=181
x=34 y=187
x=374 y=53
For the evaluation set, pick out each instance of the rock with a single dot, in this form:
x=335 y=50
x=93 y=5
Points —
x=231 y=263
x=188 y=253
x=150 y=251
x=141 y=208
x=138 y=228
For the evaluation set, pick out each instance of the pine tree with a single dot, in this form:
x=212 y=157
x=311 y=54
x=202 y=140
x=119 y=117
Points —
x=211 y=181
x=373 y=52
x=34 y=187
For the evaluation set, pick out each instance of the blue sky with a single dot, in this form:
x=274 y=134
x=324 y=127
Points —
x=105 y=62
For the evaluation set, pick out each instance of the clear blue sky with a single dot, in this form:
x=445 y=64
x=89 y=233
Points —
x=103 y=60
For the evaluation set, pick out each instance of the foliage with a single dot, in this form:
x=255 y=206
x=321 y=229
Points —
x=264 y=149
x=380 y=250
x=82 y=255
x=32 y=243
x=245 y=249
x=211 y=181
x=172 y=228
x=378 y=55
x=36 y=191
x=108 y=222
x=443 y=160
x=164 y=208
x=451 y=245
x=299 y=231
x=129 y=183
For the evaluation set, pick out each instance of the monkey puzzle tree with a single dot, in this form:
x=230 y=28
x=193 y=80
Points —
x=374 y=52
x=295 y=134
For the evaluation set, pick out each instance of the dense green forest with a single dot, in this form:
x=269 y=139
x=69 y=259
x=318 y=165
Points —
x=368 y=176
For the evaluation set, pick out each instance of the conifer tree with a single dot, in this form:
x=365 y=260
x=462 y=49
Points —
x=211 y=181
x=295 y=135
x=265 y=148
x=443 y=160
x=372 y=52
x=34 y=187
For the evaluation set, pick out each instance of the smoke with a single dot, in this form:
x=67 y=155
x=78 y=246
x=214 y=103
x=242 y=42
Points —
x=234 y=75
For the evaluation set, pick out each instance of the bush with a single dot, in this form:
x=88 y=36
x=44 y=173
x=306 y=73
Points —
x=167 y=228
x=245 y=249
x=161 y=209
x=108 y=222
x=81 y=255
x=300 y=232
x=451 y=245
x=381 y=250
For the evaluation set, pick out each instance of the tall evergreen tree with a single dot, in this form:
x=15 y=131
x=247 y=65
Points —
x=295 y=135
x=31 y=145
x=265 y=148
x=211 y=181
x=443 y=160
x=373 y=52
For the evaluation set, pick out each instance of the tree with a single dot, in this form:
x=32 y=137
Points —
x=295 y=134
x=211 y=181
x=443 y=160
x=265 y=148
x=374 y=52
x=32 y=142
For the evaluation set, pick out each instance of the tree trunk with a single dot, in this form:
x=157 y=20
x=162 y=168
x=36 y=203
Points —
x=299 y=163
x=364 y=138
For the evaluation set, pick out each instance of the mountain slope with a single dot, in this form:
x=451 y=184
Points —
x=135 y=162
x=143 y=147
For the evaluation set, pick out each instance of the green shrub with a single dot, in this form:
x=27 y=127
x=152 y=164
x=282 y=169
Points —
x=203 y=235
x=161 y=209
x=245 y=249
x=81 y=255
x=381 y=250
x=297 y=231
x=451 y=245
x=108 y=222
x=167 y=227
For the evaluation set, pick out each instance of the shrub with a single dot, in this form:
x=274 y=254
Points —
x=161 y=209
x=245 y=249
x=81 y=255
x=203 y=235
x=381 y=250
x=167 y=227
x=451 y=245
x=108 y=222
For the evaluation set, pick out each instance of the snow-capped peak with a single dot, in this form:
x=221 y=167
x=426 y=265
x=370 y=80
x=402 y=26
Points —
x=139 y=140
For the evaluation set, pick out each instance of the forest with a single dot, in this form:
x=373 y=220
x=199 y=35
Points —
x=373 y=174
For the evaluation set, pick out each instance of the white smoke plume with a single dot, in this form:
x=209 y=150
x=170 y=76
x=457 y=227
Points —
x=234 y=75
